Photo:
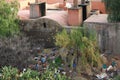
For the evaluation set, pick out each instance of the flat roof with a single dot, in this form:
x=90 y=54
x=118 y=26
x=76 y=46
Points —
x=100 y=18
x=59 y=16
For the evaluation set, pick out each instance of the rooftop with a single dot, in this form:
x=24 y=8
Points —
x=100 y=18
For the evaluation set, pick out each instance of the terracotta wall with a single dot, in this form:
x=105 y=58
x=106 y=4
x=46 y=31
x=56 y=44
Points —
x=75 y=17
x=98 y=5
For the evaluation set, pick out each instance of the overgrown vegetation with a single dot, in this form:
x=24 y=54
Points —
x=11 y=73
x=113 y=9
x=117 y=77
x=8 y=18
x=14 y=45
x=84 y=44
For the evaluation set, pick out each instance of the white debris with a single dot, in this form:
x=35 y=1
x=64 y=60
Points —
x=109 y=68
x=101 y=76
x=63 y=73
x=68 y=5
x=0 y=75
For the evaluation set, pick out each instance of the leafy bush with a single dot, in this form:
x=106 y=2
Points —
x=62 y=39
x=50 y=74
x=56 y=63
x=29 y=75
x=10 y=73
x=8 y=18
x=84 y=43
x=112 y=7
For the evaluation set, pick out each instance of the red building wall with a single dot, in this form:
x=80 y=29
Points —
x=98 y=5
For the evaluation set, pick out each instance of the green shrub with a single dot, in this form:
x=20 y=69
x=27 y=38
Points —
x=8 y=18
x=117 y=77
x=113 y=9
x=56 y=63
x=9 y=73
x=84 y=43
x=29 y=75
x=50 y=74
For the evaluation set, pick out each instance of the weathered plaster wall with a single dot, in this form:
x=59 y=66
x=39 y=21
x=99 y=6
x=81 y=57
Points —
x=41 y=31
x=75 y=17
x=108 y=34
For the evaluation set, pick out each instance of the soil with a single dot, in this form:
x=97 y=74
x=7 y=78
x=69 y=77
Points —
x=114 y=57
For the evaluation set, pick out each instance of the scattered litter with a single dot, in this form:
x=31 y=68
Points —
x=43 y=59
x=36 y=58
x=104 y=67
x=53 y=55
x=0 y=75
x=110 y=68
x=101 y=76
x=63 y=73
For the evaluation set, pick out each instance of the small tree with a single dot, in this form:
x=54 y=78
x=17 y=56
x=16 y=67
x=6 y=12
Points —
x=8 y=18
x=84 y=44
x=113 y=9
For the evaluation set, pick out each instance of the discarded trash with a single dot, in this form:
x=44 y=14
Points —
x=110 y=68
x=43 y=59
x=113 y=63
x=63 y=73
x=101 y=76
x=104 y=67
x=36 y=58
x=24 y=70
x=0 y=75
x=74 y=65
